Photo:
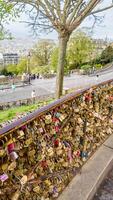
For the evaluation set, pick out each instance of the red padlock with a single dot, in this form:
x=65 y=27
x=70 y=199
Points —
x=23 y=128
x=55 y=119
x=56 y=143
x=10 y=147
x=78 y=153
x=88 y=98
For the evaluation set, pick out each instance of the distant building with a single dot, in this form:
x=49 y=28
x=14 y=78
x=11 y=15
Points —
x=10 y=58
x=100 y=45
x=19 y=46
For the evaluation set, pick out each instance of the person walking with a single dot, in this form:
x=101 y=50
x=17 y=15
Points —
x=13 y=87
x=23 y=78
x=33 y=95
x=28 y=78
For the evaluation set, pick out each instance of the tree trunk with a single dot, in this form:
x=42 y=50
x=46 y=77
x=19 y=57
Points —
x=61 y=62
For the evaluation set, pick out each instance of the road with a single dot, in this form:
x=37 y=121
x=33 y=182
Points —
x=47 y=86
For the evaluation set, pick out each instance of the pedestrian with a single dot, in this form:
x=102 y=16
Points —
x=23 y=78
x=97 y=77
x=29 y=79
x=33 y=95
x=13 y=87
x=1 y=87
x=34 y=76
x=38 y=76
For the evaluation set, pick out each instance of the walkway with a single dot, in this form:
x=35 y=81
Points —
x=47 y=86
x=105 y=191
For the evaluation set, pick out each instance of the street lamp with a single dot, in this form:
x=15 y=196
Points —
x=28 y=63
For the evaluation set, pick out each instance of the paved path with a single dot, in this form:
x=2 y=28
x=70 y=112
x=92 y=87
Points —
x=47 y=86
x=105 y=191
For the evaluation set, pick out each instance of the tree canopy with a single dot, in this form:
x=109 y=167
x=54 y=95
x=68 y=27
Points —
x=54 y=59
x=41 y=52
x=6 y=10
x=79 y=49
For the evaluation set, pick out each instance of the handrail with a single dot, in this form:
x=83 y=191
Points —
x=15 y=125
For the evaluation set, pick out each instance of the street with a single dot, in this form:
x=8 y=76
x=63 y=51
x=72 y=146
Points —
x=47 y=86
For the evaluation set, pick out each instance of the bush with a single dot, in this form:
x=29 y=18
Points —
x=98 y=66
x=107 y=55
x=4 y=72
x=86 y=67
x=12 y=69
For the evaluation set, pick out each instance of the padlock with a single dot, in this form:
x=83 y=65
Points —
x=2 y=149
x=13 y=155
x=12 y=166
x=20 y=133
x=3 y=177
x=10 y=147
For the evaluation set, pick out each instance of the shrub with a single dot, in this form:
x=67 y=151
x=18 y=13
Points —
x=86 y=67
x=98 y=66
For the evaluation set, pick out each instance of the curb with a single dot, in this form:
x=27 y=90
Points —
x=84 y=185
x=17 y=86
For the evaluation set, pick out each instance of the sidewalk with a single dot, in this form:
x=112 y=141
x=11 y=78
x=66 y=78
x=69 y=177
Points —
x=105 y=191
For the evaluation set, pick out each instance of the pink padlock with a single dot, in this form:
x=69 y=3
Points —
x=3 y=177
x=41 y=130
x=57 y=128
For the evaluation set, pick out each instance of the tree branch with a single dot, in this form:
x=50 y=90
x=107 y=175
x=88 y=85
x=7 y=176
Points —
x=50 y=8
x=84 y=13
x=58 y=9
x=74 y=11
x=66 y=10
x=102 y=10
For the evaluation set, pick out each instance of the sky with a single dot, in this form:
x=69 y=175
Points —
x=104 y=30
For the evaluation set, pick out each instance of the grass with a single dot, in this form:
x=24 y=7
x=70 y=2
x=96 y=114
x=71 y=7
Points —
x=13 y=112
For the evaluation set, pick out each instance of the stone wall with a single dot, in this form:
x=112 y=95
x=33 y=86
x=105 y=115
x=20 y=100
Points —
x=6 y=80
x=40 y=154
x=23 y=102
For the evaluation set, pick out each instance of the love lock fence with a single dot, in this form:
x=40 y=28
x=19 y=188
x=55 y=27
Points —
x=40 y=153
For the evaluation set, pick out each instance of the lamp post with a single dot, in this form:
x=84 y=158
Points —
x=28 y=63
x=28 y=66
